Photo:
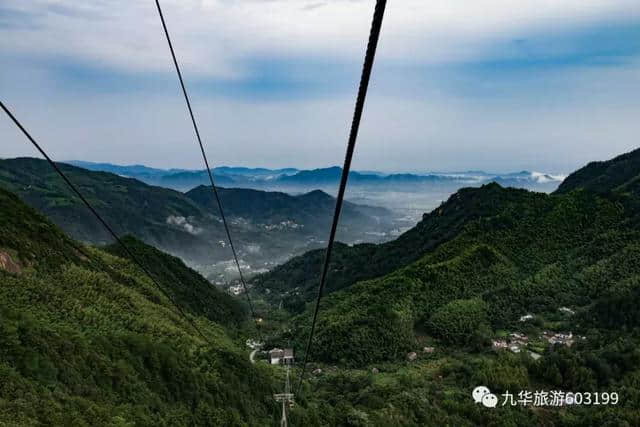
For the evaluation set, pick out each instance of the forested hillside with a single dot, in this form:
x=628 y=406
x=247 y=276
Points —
x=186 y=286
x=407 y=330
x=516 y=250
x=554 y=278
x=89 y=341
x=620 y=174
x=128 y=204
x=617 y=176
x=267 y=226
x=350 y=264
x=312 y=210
x=537 y=254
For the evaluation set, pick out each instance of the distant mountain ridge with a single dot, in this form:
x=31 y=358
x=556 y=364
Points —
x=333 y=174
x=122 y=169
x=187 y=179
x=275 y=207
x=305 y=180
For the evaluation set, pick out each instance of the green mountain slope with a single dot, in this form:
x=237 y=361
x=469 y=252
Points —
x=296 y=281
x=186 y=286
x=515 y=250
x=571 y=260
x=538 y=254
x=620 y=174
x=365 y=261
x=127 y=204
x=92 y=341
x=313 y=210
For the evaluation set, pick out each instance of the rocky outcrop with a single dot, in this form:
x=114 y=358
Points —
x=7 y=264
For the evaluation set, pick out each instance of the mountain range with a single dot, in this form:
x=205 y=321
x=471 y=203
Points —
x=599 y=197
x=465 y=280
x=406 y=331
x=291 y=179
x=268 y=226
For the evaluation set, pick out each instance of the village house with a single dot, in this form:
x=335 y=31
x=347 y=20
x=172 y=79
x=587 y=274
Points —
x=275 y=355
x=518 y=336
x=558 y=338
x=518 y=339
x=526 y=317
x=279 y=356
x=499 y=344
x=514 y=344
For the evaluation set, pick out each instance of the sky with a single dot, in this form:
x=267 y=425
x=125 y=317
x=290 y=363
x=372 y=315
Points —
x=497 y=85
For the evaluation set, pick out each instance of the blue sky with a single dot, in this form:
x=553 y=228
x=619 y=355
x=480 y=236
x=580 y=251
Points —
x=494 y=85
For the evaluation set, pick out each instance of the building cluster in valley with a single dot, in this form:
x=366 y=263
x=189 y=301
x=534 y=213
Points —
x=558 y=338
x=283 y=225
x=517 y=342
x=514 y=343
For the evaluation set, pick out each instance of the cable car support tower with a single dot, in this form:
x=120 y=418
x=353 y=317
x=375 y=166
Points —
x=285 y=398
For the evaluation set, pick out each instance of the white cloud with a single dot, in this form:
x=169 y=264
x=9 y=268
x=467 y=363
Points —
x=551 y=122
x=432 y=133
x=213 y=36
x=182 y=222
x=543 y=178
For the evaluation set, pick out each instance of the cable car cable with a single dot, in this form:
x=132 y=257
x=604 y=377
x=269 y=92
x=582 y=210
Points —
x=374 y=35
x=206 y=163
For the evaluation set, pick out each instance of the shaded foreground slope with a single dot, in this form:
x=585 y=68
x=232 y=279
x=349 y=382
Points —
x=188 y=288
x=93 y=342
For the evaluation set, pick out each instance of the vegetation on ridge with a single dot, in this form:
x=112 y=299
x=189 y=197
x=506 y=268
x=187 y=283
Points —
x=569 y=259
x=93 y=342
x=407 y=330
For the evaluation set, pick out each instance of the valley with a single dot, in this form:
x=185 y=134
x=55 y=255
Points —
x=498 y=287
x=276 y=214
x=319 y=213
x=270 y=227
x=502 y=287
